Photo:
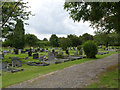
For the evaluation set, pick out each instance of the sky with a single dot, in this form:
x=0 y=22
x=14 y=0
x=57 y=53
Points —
x=51 y=18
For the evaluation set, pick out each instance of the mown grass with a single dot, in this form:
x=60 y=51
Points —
x=107 y=79
x=35 y=71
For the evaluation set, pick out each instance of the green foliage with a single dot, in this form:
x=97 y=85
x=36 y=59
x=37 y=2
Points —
x=43 y=43
x=45 y=39
x=64 y=43
x=20 y=12
x=6 y=43
x=18 y=36
x=90 y=49
x=86 y=37
x=54 y=40
x=75 y=40
x=31 y=40
x=100 y=14
x=79 y=47
x=103 y=47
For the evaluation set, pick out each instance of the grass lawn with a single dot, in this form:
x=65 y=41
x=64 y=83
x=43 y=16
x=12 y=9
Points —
x=35 y=71
x=107 y=79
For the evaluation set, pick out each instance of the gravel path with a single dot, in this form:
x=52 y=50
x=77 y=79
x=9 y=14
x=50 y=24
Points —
x=76 y=76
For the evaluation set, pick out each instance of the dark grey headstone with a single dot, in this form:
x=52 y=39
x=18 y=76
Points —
x=35 y=56
x=16 y=63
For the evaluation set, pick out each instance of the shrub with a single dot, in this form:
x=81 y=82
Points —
x=79 y=47
x=90 y=49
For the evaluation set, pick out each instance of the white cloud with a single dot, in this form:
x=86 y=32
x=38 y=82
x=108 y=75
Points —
x=51 y=18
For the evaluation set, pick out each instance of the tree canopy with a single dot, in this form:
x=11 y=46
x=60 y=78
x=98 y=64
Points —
x=54 y=40
x=102 y=15
x=18 y=35
x=14 y=11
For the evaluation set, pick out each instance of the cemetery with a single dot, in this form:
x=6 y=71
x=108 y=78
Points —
x=20 y=63
x=54 y=51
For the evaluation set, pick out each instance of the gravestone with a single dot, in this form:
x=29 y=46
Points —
x=80 y=52
x=30 y=52
x=35 y=56
x=50 y=56
x=5 y=51
x=76 y=53
x=4 y=65
x=42 y=50
x=16 y=51
x=16 y=63
x=41 y=58
x=56 y=48
x=53 y=51
x=59 y=51
x=2 y=55
x=20 y=50
x=67 y=52
x=14 y=58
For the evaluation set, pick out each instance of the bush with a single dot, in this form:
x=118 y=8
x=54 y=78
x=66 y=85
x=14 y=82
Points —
x=79 y=47
x=90 y=49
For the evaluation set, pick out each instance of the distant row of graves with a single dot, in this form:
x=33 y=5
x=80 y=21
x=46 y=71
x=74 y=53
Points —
x=54 y=56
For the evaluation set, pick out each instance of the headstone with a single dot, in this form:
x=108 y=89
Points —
x=30 y=52
x=41 y=58
x=16 y=51
x=80 y=52
x=2 y=55
x=42 y=50
x=35 y=56
x=4 y=65
x=76 y=53
x=16 y=63
x=5 y=51
x=53 y=51
x=50 y=56
x=13 y=58
x=67 y=52
x=20 y=50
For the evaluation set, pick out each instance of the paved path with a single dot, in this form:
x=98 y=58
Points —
x=76 y=76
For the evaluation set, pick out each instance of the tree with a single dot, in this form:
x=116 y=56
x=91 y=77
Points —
x=64 y=43
x=31 y=40
x=100 y=14
x=86 y=37
x=75 y=40
x=90 y=49
x=18 y=35
x=14 y=11
x=54 y=40
x=45 y=39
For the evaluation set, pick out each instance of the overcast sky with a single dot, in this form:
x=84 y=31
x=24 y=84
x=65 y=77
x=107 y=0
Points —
x=51 y=18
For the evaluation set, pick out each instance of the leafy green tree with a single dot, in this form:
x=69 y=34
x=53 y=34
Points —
x=14 y=11
x=54 y=40
x=75 y=40
x=31 y=40
x=45 y=39
x=64 y=43
x=18 y=35
x=105 y=15
x=86 y=37
x=90 y=49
